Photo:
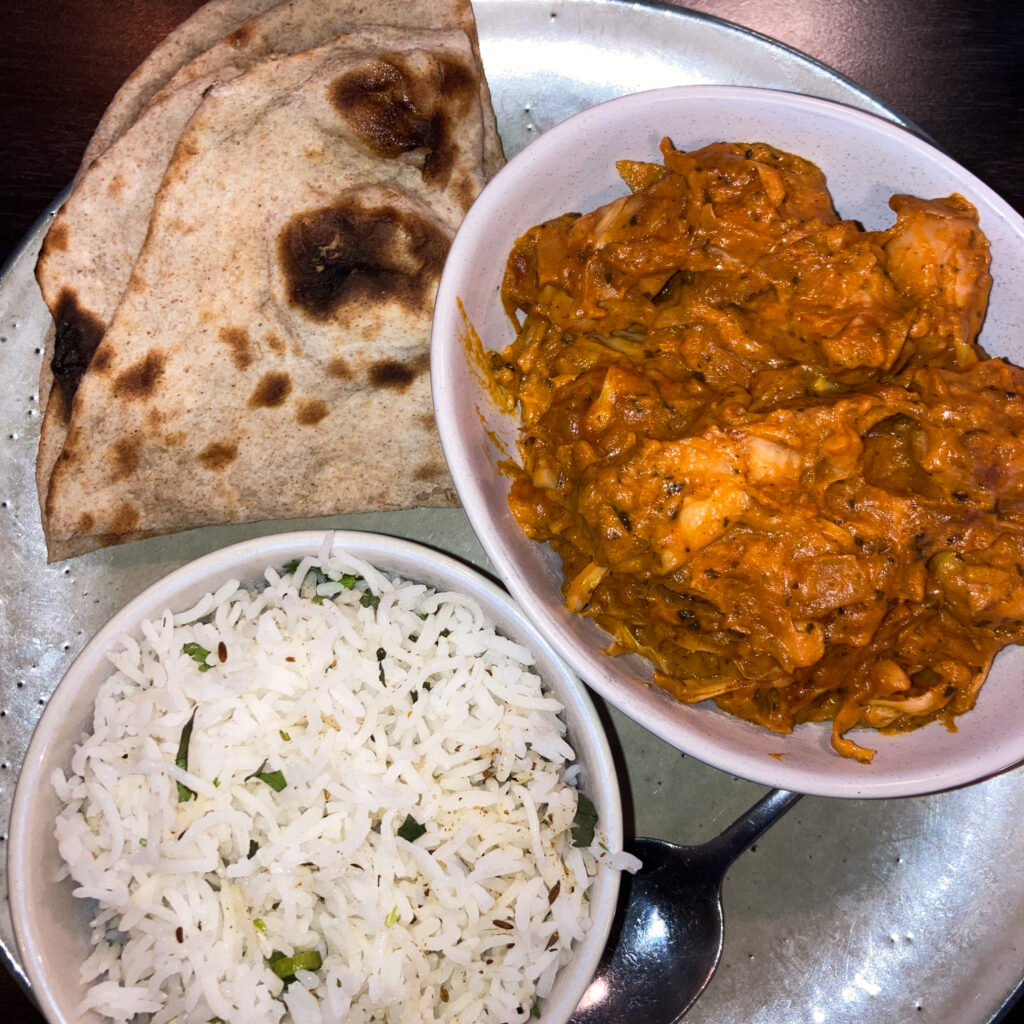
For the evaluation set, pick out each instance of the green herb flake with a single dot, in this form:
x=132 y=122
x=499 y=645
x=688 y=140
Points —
x=259 y=924
x=370 y=600
x=410 y=830
x=392 y=917
x=585 y=821
x=143 y=841
x=275 y=779
x=198 y=654
x=290 y=567
x=253 y=847
x=381 y=655
x=283 y=735
x=181 y=760
x=348 y=581
x=285 y=966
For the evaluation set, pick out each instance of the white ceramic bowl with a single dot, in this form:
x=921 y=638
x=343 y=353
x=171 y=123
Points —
x=51 y=925
x=572 y=167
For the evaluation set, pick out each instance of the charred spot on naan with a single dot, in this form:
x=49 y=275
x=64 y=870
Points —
x=101 y=360
x=272 y=390
x=56 y=239
x=310 y=411
x=237 y=341
x=125 y=519
x=408 y=104
x=429 y=472
x=241 y=36
x=398 y=375
x=61 y=405
x=339 y=369
x=124 y=458
x=218 y=455
x=116 y=186
x=351 y=255
x=78 y=334
x=140 y=380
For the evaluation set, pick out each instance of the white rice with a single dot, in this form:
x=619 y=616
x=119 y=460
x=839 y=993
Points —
x=376 y=703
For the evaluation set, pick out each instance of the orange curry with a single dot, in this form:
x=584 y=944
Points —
x=765 y=443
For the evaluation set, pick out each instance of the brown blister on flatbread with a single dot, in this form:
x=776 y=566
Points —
x=277 y=320
x=272 y=390
x=218 y=455
x=393 y=107
x=339 y=258
x=124 y=458
x=397 y=376
x=237 y=340
x=77 y=336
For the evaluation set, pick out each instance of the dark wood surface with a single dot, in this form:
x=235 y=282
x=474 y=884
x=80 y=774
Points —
x=953 y=67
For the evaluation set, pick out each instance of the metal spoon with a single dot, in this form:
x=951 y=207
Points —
x=667 y=937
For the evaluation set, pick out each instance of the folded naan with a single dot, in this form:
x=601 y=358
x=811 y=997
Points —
x=269 y=357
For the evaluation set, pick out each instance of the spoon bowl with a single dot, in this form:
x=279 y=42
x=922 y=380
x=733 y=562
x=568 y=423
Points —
x=667 y=938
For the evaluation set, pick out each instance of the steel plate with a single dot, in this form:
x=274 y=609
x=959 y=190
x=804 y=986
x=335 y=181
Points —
x=887 y=911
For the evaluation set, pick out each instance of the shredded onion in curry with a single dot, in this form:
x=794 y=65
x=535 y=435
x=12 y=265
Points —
x=766 y=444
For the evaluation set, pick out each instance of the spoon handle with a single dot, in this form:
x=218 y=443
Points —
x=746 y=829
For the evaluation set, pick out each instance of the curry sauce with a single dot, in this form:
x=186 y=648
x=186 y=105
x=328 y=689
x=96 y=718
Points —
x=765 y=443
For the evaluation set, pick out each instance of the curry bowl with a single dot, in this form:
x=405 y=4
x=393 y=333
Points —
x=52 y=926
x=572 y=167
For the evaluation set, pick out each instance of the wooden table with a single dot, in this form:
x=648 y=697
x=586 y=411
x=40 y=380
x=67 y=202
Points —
x=953 y=67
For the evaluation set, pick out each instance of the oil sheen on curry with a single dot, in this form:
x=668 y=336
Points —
x=765 y=443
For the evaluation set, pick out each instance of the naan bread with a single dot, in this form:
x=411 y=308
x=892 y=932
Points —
x=270 y=355
x=88 y=254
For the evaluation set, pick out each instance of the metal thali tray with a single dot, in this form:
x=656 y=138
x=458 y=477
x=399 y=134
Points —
x=866 y=911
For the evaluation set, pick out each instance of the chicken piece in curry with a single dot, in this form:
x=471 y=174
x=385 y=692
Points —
x=765 y=443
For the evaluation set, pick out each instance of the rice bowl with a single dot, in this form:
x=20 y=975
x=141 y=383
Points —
x=256 y=879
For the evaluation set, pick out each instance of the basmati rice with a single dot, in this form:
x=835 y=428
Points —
x=341 y=777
